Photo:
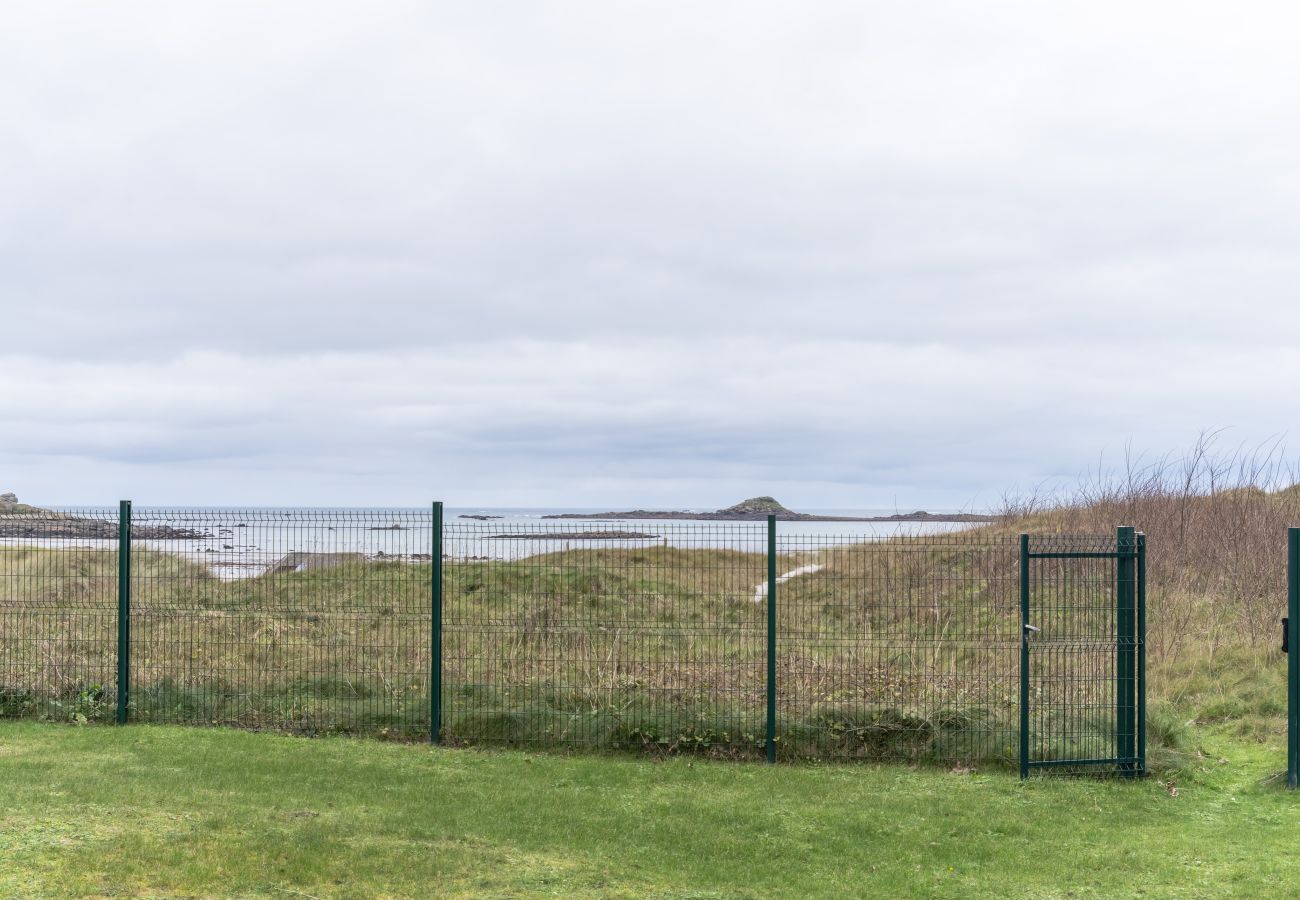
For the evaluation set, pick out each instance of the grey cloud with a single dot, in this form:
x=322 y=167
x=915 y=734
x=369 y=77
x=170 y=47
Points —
x=638 y=250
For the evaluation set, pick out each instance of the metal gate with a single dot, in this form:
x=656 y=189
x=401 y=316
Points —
x=1082 y=653
x=1291 y=647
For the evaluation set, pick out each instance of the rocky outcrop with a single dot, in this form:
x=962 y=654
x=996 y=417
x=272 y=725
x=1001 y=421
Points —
x=9 y=504
x=18 y=520
x=756 y=507
x=759 y=508
x=573 y=535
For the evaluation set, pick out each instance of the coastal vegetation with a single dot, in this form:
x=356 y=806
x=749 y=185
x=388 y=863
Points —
x=663 y=648
x=660 y=648
x=655 y=649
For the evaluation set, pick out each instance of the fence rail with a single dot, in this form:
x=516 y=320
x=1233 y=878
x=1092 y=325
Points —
x=725 y=638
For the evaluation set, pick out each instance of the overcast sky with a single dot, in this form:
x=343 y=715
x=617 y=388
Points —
x=645 y=253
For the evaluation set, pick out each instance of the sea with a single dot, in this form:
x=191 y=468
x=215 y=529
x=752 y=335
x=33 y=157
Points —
x=236 y=543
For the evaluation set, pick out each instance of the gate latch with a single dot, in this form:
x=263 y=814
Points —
x=1031 y=629
x=1286 y=644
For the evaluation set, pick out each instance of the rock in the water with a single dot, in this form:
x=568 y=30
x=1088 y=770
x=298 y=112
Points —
x=756 y=509
x=755 y=506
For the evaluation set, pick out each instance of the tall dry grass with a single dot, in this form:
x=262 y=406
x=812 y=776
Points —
x=893 y=649
x=1216 y=528
x=1216 y=523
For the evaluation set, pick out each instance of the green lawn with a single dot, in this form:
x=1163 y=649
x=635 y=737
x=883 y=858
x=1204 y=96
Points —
x=170 y=811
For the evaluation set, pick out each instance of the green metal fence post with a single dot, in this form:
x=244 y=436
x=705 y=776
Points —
x=1293 y=659
x=1142 y=653
x=123 y=609
x=1126 y=648
x=435 y=643
x=771 y=638
x=1024 y=656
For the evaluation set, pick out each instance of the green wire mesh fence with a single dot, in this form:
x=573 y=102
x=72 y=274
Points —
x=306 y=620
x=901 y=649
x=612 y=635
x=643 y=635
x=58 y=614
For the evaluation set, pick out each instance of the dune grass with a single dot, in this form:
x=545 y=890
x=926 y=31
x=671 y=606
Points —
x=906 y=650
x=899 y=652
x=167 y=811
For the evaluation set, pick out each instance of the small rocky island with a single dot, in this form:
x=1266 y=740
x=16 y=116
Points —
x=759 y=508
x=606 y=535
x=18 y=520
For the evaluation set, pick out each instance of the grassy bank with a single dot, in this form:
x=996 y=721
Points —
x=904 y=650
x=904 y=655
x=200 y=812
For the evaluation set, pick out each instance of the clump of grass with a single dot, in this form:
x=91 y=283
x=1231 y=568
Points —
x=1172 y=740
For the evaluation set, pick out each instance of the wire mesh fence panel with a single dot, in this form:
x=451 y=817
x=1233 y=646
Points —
x=905 y=649
x=638 y=635
x=1081 y=647
x=303 y=620
x=642 y=635
x=58 y=613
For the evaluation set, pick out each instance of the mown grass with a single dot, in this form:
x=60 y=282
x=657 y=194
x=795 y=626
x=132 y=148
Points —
x=165 y=811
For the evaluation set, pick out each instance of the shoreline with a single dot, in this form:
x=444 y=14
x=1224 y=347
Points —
x=647 y=514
